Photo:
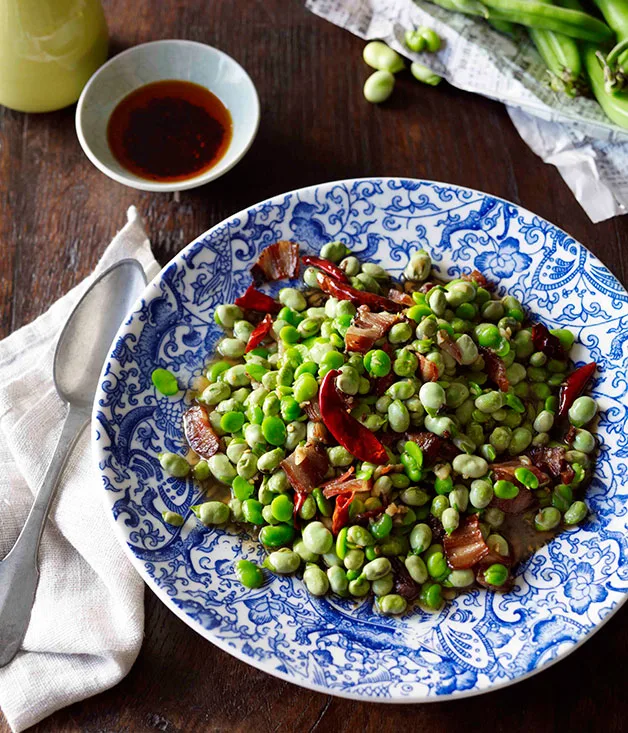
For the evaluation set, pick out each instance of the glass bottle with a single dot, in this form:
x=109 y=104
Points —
x=48 y=51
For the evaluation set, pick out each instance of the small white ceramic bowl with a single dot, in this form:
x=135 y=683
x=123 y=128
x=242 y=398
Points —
x=159 y=61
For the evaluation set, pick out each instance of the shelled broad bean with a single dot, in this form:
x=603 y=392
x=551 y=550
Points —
x=439 y=382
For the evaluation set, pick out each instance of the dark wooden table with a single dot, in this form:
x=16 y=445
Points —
x=57 y=213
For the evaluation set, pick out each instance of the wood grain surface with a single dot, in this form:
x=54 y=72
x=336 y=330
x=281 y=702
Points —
x=57 y=213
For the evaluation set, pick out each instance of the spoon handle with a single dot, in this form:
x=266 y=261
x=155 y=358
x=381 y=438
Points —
x=19 y=572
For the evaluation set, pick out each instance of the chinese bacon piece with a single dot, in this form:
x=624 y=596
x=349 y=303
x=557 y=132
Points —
x=475 y=276
x=306 y=466
x=546 y=342
x=345 y=484
x=465 y=546
x=367 y=328
x=495 y=368
x=446 y=343
x=398 y=297
x=429 y=370
x=199 y=433
x=278 y=261
x=434 y=448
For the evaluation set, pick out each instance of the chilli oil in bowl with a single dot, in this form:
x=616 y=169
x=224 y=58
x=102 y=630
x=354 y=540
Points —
x=169 y=131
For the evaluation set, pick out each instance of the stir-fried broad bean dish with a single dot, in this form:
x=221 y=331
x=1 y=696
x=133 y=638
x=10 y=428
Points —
x=402 y=438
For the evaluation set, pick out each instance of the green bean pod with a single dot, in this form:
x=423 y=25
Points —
x=615 y=63
x=537 y=14
x=469 y=7
x=562 y=58
x=615 y=106
x=502 y=26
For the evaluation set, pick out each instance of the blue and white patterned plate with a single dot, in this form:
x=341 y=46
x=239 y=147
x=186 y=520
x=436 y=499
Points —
x=481 y=640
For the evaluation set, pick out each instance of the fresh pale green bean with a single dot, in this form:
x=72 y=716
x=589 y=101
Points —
x=378 y=87
x=383 y=58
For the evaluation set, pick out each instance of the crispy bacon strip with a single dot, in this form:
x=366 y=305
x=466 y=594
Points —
x=199 y=433
x=465 y=547
x=523 y=502
x=429 y=370
x=339 y=479
x=355 y=485
x=434 y=448
x=404 y=585
x=367 y=328
x=399 y=297
x=553 y=461
x=495 y=368
x=306 y=467
x=345 y=484
x=278 y=261
x=506 y=472
x=546 y=342
x=475 y=276
x=312 y=410
x=446 y=343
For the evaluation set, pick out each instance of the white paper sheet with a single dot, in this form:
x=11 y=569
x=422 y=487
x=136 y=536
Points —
x=590 y=152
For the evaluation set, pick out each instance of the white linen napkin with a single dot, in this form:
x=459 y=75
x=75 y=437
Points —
x=88 y=619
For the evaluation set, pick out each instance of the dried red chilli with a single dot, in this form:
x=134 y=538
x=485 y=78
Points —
x=546 y=342
x=326 y=266
x=358 y=297
x=259 y=333
x=340 y=517
x=349 y=433
x=299 y=501
x=574 y=386
x=254 y=300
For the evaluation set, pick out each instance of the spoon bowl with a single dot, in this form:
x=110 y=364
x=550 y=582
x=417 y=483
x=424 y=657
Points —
x=86 y=338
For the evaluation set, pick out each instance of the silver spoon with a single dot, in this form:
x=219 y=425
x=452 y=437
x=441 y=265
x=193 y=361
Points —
x=79 y=357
